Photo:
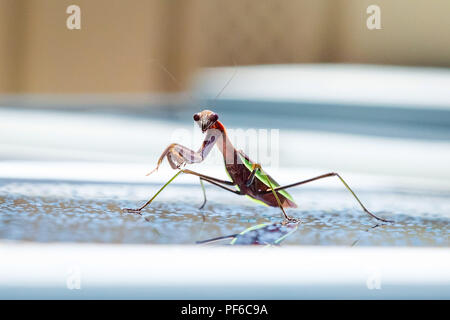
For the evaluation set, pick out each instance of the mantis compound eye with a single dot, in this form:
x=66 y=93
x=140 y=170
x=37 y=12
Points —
x=196 y=117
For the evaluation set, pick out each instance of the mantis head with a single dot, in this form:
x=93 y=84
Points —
x=205 y=119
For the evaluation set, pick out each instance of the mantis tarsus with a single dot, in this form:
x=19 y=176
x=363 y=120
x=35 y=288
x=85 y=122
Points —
x=247 y=177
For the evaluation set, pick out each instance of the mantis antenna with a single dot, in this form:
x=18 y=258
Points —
x=228 y=82
x=172 y=77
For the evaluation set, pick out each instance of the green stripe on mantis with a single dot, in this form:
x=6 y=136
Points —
x=265 y=179
x=256 y=200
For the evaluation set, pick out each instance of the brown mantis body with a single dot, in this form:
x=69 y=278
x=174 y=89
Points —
x=247 y=177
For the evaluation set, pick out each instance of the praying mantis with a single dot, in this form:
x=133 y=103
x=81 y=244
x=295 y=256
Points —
x=246 y=176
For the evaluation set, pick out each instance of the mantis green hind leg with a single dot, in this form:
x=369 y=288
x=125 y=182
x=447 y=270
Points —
x=331 y=174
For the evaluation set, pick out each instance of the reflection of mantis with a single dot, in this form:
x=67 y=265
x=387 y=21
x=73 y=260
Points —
x=247 y=177
x=265 y=234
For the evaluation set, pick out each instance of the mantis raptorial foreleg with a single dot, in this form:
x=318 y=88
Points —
x=178 y=155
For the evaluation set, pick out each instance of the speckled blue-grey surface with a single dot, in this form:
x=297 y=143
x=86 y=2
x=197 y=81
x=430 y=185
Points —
x=91 y=212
